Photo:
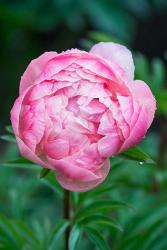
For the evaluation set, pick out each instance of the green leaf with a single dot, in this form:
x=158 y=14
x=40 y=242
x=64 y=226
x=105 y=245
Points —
x=9 y=232
x=44 y=172
x=58 y=232
x=9 y=129
x=101 y=220
x=161 y=97
x=137 y=154
x=9 y=138
x=97 y=238
x=74 y=236
x=99 y=206
x=50 y=181
x=26 y=233
x=21 y=163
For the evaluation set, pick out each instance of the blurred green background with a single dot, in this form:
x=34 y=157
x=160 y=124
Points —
x=30 y=207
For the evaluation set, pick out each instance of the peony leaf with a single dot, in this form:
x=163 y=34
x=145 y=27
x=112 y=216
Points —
x=21 y=163
x=44 y=172
x=9 y=129
x=50 y=181
x=9 y=138
x=9 y=232
x=99 y=206
x=58 y=232
x=101 y=220
x=137 y=154
x=97 y=238
x=74 y=236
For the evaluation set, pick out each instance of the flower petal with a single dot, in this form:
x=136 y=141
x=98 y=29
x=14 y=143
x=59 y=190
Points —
x=144 y=96
x=34 y=69
x=83 y=186
x=109 y=145
x=28 y=154
x=72 y=170
x=116 y=53
x=138 y=131
x=57 y=149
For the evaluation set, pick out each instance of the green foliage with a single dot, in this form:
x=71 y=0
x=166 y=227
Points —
x=90 y=216
x=74 y=236
x=44 y=172
x=137 y=154
x=97 y=238
x=57 y=234
x=107 y=220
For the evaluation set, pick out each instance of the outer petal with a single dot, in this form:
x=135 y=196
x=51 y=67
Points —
x=144 y=107
x=72 y=170
x=116 y=53
x=143 y=94
x=28 y=154
x=109 y=145
x=34 y=69
x=138 y=131
x=15 y=113
x=83 y=186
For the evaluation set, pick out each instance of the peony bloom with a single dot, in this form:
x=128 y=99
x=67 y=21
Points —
x=76 y=109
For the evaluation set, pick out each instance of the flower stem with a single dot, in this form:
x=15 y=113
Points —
x=67 y=216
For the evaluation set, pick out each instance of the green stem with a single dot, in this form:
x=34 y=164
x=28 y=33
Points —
x=67 y=216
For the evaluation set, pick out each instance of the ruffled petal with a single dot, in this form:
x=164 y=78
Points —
x=69 y=168
x=142 y=93
x=109 y=145
x=15 y=113
x=32 y=123
x=57 y=149
x=116 y=53
x=34 y=69
x=28 y=154
x=139 y=130
x=83 y=186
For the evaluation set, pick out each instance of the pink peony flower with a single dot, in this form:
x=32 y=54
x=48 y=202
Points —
x=76 y=109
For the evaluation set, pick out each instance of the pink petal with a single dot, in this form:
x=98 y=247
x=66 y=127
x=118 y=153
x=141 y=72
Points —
x=41 y=90
x=28 y=154
x=107 y=124
x=57 y=149
x=55 y=104
x=138 y=131
x=15 y=114
x=32 y=123
x=109 y=145
x=77 y=141
x=144 y=96
x=89 y=157
x=69 y=168
x=73 y=105
x=126 y=107
x=114 y=76
x=93 y=111
x=56 y=64
x=34 y=69
x=116 y=53
x=83 y=186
